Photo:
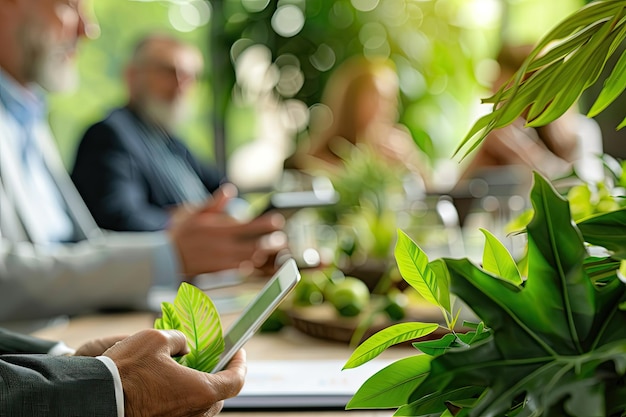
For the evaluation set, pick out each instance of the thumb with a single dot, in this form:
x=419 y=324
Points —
x=220 y=199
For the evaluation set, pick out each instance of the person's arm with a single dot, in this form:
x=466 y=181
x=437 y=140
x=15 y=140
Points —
x=38 y=384
x=107 y=176
x=34 y=382
x=114 y=271
x=149 y=382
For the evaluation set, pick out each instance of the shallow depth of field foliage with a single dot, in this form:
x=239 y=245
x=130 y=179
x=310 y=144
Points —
x=441 y=48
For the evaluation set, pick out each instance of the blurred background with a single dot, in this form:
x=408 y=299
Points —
x=259 y=99
x=267 y=62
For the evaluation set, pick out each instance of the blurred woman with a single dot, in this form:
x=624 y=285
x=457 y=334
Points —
x=361 y=103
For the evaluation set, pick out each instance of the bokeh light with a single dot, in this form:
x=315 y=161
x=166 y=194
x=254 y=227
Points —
x=324 y=58
x=288 y=20
x=255 y=6
x=190 y=15
x=365 y=5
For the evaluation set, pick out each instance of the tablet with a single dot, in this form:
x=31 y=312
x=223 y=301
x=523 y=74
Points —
x=258 y=310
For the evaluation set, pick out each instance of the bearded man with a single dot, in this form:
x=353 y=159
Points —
x=130 y=168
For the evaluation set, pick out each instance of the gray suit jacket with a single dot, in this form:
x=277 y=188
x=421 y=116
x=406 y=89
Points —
x=100 y=270
x=35 y=384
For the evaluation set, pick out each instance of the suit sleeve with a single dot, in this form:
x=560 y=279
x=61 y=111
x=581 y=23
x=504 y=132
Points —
x=113 y=271
x=106 y=175
x=35 y=385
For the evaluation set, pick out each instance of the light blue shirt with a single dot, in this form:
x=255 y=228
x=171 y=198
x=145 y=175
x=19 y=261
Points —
x=45 y=208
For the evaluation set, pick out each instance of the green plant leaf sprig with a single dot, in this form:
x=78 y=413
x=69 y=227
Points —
x=194 y=314
x=564 y=63
x=551 y=345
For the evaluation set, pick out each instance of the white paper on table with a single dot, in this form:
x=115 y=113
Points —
x=307 y=377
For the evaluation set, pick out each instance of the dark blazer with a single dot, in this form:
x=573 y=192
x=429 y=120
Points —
x=35 y=384
x=120 y=183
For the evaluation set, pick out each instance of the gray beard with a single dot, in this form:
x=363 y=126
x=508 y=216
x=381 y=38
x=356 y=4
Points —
x=56 y=74
x=169 y=116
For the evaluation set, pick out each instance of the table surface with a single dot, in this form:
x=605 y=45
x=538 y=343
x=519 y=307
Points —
x=287 y=344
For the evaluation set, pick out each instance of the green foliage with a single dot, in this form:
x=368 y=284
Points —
x=194 y=314
x=365 y=216
x=567 y=61
x=498 y=261
x=553 y=345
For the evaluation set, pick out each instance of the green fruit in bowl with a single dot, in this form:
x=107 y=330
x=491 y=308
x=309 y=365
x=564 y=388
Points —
x=396 y=304
x=349 y=296
x=309 y=290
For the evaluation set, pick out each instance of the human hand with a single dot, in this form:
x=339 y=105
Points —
x=209 y=240
x=97 y=347
x=156 y=385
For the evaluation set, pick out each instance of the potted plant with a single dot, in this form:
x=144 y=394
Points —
x=550 y=338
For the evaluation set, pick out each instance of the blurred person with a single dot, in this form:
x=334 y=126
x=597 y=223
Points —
x=130 y=168
x=554 y=150
x=115 y=376
x=53 y=257
x=362 y=96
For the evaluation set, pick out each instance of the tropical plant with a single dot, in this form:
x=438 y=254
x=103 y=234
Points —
x=552 y=344
x=550 y=341
x=566 y=62
x=194 y=314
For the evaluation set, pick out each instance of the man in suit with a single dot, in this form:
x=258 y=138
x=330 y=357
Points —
x=133 y=376
x=130 y=168
x=53 y=257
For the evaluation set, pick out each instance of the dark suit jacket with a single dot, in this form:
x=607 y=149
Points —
x=35 y=384
x=122 y=186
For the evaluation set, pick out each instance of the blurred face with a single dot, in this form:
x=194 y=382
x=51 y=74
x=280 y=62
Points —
x=161 y=80
x=48 y=39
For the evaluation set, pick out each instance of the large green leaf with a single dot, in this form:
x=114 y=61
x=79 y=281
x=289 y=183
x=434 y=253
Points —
x=498 y=260
x=377 y=343
x=194 y=314
x=391 y=386
x=607 y=230
x=413 y=265
x=550 y=337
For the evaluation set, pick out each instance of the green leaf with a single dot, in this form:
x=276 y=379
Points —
x=498 y=261
x=169 y=318
x=450 y=340
x=613 y=87
x=557 y=251
x=413 y=265
x=606 y=230
x=564 y=63
x=194 y=314
x=391 y=386
x=379 y=342
x=436 y=402
x=535 y=356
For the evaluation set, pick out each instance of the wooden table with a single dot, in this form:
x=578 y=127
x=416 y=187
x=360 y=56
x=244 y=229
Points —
x=288 y=344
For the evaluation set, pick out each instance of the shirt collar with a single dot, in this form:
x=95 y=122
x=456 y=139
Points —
x=26 y=104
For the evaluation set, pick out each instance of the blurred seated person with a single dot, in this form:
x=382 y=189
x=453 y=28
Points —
x=114 y=376
x=362 y=98
x=53 y=258
x=130 y=168
x=553 y=150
